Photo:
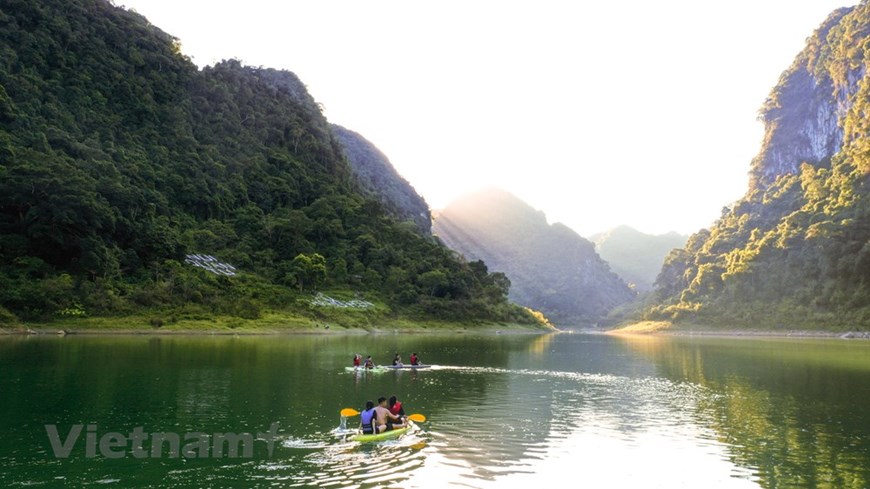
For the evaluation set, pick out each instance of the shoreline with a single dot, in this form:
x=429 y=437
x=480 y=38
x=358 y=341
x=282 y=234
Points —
x=65 y=330
x=324 y=321
x=664 y=328
x=797 y=333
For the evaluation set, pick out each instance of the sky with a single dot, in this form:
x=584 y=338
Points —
x=599 y=113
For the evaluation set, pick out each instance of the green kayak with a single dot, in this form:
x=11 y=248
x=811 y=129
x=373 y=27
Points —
x=387 y=435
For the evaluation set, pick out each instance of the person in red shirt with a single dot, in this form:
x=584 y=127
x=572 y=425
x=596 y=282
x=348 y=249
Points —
x=396 y=407
x=414 y=359
x=356 y=360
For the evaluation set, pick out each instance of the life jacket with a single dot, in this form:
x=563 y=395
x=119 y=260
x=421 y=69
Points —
x=396 y=409
x=367 y=419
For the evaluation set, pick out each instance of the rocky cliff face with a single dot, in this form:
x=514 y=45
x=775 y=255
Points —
x=551 y=268
x=795 y=250
x=804 y=115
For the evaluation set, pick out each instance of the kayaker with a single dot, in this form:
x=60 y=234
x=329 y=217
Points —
x=415 y=360
x=369 y=363
x=356 y=360
x=385 y=419
x=396 y=407
x=397 y=360
x=367 y=419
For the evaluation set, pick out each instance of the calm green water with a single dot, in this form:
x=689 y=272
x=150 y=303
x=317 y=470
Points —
x=503 y=411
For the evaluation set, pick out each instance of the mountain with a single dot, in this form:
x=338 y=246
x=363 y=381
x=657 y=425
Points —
x=635 y=256
x=132 y=182
x=551 y=268
x=376 y=175
x=794 y=252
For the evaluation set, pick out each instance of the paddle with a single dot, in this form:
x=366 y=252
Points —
x=348 y=412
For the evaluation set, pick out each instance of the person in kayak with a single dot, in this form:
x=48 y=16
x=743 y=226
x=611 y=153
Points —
x=415 y=360
x=367 y=419
x=356 y=360
x=369 y=363
x=395 y=407
x=385 y=419
x=397 y=360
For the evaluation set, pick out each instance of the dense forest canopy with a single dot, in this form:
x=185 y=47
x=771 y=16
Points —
x=795 y=250
x=118 y=158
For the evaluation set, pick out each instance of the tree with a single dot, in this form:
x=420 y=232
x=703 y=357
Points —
x=433 y=282
x=307 y=271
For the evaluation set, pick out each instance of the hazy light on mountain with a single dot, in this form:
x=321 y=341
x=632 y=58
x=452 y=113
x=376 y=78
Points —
x=597 y=114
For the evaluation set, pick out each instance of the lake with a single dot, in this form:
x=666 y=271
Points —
x=502 y=411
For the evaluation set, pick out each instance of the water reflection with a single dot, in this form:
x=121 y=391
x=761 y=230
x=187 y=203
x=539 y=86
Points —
x=794 y=412
x=503 y=410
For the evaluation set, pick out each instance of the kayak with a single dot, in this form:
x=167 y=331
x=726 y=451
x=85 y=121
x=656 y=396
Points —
x=387 y=435
x=384 y=368
x=379 y=369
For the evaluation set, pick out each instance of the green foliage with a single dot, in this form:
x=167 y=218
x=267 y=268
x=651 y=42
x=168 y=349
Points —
x=7 y=319
x=118 y=157
x=306 y=272
x=795 y=251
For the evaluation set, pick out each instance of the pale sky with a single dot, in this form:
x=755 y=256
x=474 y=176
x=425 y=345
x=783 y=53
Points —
x=597 y=113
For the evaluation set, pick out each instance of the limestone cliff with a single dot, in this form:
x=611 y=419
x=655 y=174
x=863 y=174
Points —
x=804 y=115
x=794 y=252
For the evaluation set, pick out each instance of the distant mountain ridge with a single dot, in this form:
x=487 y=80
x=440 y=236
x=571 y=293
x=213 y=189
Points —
x=794 y=252
x=551 y=268
x=635 y=256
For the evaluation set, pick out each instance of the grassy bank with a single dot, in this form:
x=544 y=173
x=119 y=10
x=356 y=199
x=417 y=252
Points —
x=283 y=311
x=276 y=322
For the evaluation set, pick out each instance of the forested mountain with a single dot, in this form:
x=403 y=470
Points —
x=795 y=250
x=551 y=268
x=118 y=158
x=376 y=175
x=635 y=256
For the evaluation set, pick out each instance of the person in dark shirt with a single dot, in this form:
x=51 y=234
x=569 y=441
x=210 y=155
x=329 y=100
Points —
x=367 y=419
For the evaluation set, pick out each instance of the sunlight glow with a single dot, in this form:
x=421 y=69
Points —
x=643 y=114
